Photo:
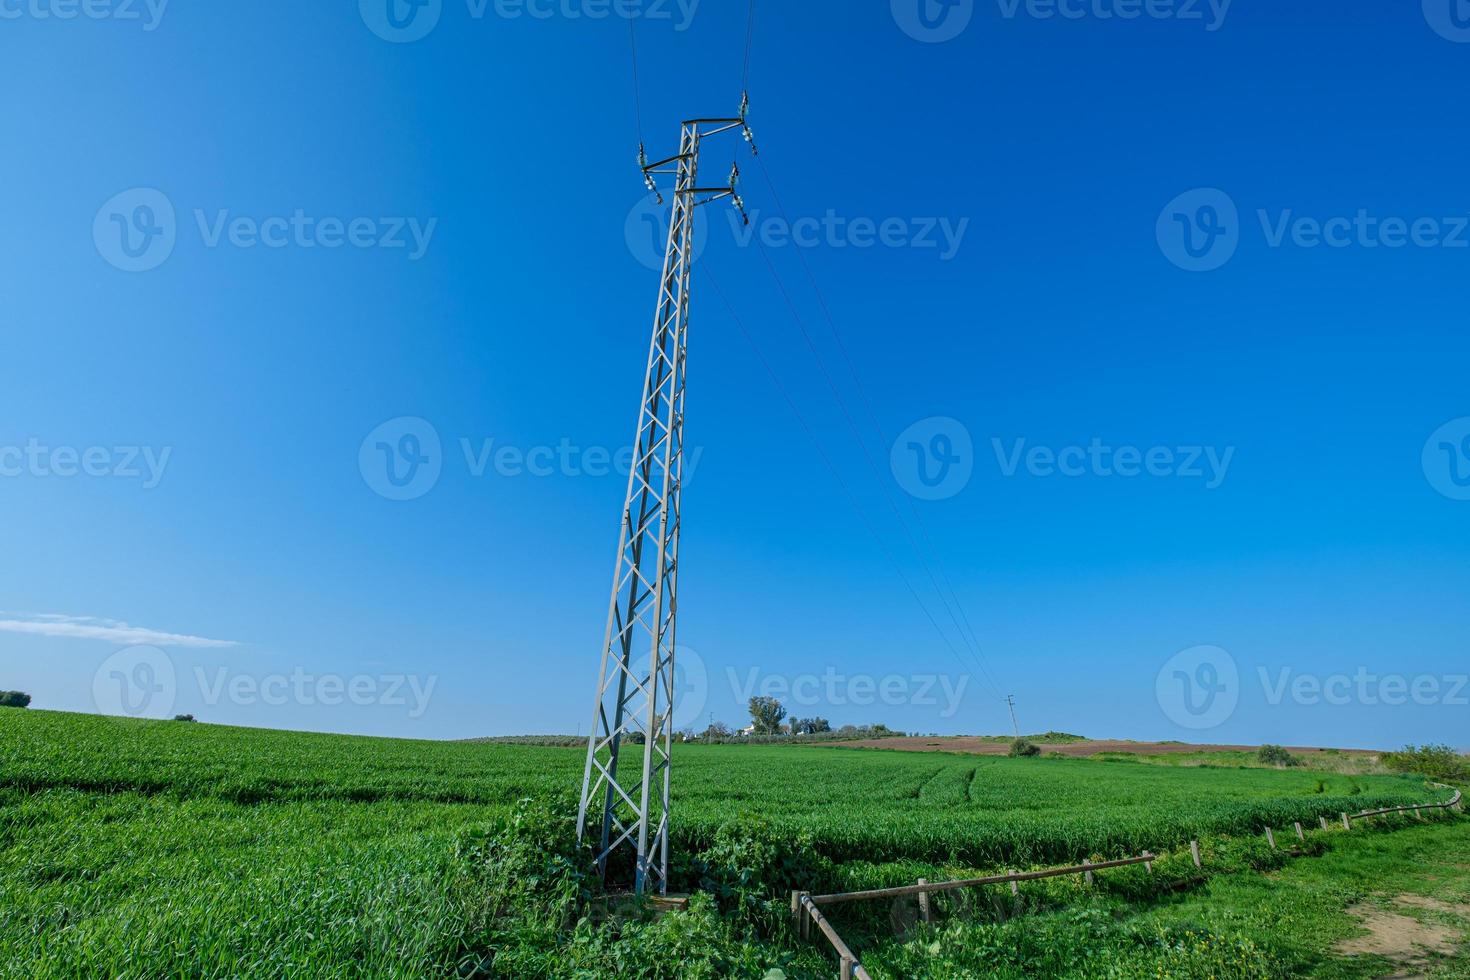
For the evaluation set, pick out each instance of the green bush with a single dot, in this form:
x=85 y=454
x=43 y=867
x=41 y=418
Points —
x=1022 y=749
x=14 y=699
x=1275 y=755
x=1435 y=761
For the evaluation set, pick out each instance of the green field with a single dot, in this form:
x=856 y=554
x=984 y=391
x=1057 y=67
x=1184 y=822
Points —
x=138 y=849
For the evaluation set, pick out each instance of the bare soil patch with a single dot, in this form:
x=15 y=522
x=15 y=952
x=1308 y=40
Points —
x=982 y=746
x=1411 y=945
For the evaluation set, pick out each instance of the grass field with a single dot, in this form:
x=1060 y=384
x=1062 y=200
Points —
x=137 y=849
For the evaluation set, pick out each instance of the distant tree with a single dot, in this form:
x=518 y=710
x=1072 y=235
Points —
x=766 y=714
x=809 y=726
x=14 y=699
x=1022 y=749
x=1275 y=755
x=717 y=729
x=185 y=718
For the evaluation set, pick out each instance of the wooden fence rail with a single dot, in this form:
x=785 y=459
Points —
x=806 y=907
x=850 y=967
x=1405 y=809
x=929 y=888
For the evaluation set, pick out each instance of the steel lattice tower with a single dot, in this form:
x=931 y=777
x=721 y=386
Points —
x=635 y=688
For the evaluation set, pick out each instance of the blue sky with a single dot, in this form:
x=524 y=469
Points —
x=447 y=229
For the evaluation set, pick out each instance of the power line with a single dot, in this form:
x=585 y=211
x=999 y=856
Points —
x=637 y=96
x=972 y=639
x=836 y=475
x=749 y=38
x=974 y=653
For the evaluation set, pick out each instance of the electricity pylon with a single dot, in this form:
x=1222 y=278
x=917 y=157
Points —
x=635 y=688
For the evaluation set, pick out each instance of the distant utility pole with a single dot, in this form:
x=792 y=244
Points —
x=635 y=697
x=1011 y=700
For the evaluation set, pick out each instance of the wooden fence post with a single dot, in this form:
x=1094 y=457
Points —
x=1324 y=822
x=1346 y=823
x=846 y=969
x=924 y=912
x=1088 y=874
x=1300 y=835
x=1148 y=865
x=1194 y=853
x=1271 y=837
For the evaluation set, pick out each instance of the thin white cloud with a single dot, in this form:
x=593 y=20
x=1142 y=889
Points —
x=92 y=628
